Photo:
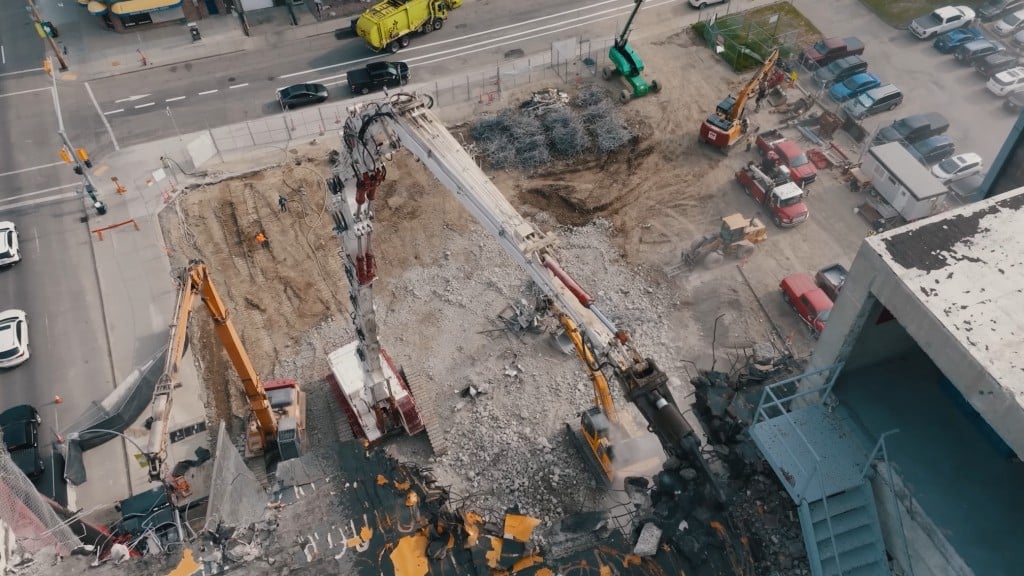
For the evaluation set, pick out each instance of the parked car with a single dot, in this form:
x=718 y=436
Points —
x=809 y=301
x=969 y=53
x=20 y=425
x=1006 y=81
x=874 y=101
x=941 y=20
x=1009 y=23
x=840 y=70
x=993 y=64
x=13 y=338
x=957 y=167
x=1014 y=101
x=377 y=75
x=854 y=86
x=828 y=50
x=947 y=43
x=702 y=4
x=993 y=9
x=301 y=95
x=1018 y=39
x=10 y=252
x=933 y=150
x=969 y=189
x=913 y=129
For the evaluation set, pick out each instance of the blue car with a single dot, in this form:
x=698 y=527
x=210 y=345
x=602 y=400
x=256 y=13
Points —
x=854 y=86
x=948 y=43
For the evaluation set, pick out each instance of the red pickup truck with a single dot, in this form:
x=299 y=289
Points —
x=810 y=302
x=774 y=146
x=828 y=50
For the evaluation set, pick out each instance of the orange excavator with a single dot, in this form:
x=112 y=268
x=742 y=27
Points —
x=277 y=420
x=723 y=128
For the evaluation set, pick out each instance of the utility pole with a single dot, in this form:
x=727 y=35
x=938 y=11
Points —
x=38 y=21
x=75 y=156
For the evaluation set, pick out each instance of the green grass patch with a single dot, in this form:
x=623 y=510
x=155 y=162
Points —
x=899 y=13
x=747 y=38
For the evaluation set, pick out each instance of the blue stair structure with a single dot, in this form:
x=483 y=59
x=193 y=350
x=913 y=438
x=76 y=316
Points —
x=825 y=469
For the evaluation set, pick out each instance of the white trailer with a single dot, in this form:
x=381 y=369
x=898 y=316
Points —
x=902 y=181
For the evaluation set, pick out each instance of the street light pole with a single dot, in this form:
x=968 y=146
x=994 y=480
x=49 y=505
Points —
x=90 y=186
x=38 y=20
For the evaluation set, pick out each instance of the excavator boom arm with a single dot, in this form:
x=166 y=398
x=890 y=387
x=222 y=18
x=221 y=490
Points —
x=602 y=393
x=195 y=280
x=744 y=95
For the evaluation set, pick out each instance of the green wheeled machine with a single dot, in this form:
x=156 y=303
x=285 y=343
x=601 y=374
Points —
x=628 y=64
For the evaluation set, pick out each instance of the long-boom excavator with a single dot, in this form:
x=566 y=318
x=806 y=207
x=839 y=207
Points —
x=723 y=128
x=371 y=134
x=277 y=419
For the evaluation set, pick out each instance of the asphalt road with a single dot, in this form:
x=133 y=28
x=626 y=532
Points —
x=233 y=88
x=56 y=281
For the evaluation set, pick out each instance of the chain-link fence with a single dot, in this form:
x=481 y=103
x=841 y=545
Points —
x=745 y=42
x=34 y=523
x=567 y=64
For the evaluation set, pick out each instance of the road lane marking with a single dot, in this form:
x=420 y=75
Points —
x=59 y=197
x=25 y=71
x=109 y=112
x=25 y=92
x=505 y=40
x=208 y=92
x=113 y=139
x=132 y=98
x=146 y=105
x=491 y=31
x=175 y=99
x=38 y=192
x=3 y=55
x=40 y=167
x=239 y=85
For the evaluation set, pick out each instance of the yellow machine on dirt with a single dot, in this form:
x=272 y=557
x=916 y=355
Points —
x=736 y=239
x=278 y=418
x=391 y=23
x=723 y=128
x=593 y=436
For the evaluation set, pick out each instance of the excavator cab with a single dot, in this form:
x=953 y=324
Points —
x=594 y=429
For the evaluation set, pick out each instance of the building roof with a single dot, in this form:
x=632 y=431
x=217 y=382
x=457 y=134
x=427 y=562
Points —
x=901 y=165
x=967 y=267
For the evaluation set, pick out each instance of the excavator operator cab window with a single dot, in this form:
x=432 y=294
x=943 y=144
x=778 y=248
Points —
x=595 y=423
x=281 y=397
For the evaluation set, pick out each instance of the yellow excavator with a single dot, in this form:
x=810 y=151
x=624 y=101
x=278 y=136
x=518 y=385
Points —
x=278 y=409
x=593 y=435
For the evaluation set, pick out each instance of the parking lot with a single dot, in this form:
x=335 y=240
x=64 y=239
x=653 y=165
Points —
x=929 y=80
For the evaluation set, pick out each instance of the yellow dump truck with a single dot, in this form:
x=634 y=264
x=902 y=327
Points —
x=389 y=24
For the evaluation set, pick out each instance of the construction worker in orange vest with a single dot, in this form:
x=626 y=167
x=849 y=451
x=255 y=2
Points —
x=262 y=240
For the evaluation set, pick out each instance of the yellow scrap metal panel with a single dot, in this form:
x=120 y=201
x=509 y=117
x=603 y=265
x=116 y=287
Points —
x=519 y=527
x=409 y=558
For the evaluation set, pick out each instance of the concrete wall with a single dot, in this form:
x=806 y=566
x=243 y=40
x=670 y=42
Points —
x=878 y=342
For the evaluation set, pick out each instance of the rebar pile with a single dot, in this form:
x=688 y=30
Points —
x=528 y=137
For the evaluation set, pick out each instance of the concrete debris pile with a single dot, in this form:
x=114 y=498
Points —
x=507 y=446
x=546 y=128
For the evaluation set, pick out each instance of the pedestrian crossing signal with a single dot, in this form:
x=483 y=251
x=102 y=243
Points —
x=84 y=157
x=47 y=67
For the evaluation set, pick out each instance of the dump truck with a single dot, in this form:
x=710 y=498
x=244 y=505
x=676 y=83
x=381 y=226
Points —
x=390 y=24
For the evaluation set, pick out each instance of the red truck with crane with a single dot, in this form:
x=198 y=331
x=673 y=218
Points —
x=774 y=189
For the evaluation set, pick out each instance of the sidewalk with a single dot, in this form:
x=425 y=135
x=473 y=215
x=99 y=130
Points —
x=93 y=52
x=139 y=296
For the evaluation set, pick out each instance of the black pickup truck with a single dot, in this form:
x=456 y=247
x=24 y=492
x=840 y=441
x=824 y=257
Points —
x=377 y=75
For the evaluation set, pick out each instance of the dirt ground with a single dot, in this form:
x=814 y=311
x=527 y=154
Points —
x=443 y=283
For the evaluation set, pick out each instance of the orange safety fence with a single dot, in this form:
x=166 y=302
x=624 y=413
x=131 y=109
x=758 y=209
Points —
x=99 y=231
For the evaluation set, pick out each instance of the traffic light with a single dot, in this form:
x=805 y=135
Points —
x=65 y=155
x=84 y=157
x=48 y=29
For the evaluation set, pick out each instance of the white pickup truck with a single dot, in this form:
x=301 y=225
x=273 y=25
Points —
x=941 y=20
